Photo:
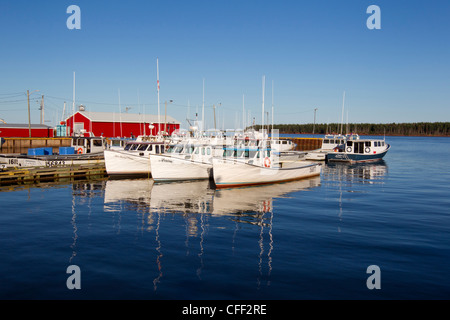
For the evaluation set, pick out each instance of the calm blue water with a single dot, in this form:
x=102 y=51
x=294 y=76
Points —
x=312 y=239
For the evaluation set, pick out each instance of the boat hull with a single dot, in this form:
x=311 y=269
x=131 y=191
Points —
x=167 y=168
x=355 y=157
x=119 y=163
x=229 y=173
x=317 y=155
x=24 y=161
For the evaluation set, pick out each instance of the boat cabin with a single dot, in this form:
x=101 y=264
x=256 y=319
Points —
x=246 y=153
x=144 y=146
x=117 y=143
x=364 y=146
x=281 y=144
x=194 y=151
x=332 y=141
x=88 y=144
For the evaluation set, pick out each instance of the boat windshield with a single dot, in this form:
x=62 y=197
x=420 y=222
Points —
x=128 y=146
x=134 y=147
x=170 y=149
x=229 y=153
x=178 y=149
x=142 y=147
x=190 y=149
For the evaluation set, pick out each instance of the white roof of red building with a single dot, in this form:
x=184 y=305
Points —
x=125 y=117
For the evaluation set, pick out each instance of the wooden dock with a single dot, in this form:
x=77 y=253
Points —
x=43 y=174
x=305 y=144
x=21 y=145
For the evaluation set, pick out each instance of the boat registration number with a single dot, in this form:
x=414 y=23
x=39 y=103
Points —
x=13 y=161
x=55 y=163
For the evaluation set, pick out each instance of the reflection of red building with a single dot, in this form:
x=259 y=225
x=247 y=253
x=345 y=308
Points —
x=14 y=130
x=109 y=124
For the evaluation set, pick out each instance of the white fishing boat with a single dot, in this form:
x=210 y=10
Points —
x=254 y=166
x=359 y=150
x=281 y=145
x=134 y=158
x=191 y=160
x=329 y=143
x=83 y=151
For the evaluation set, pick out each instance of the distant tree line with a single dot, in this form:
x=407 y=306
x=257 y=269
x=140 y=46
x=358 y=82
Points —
x=393 y=129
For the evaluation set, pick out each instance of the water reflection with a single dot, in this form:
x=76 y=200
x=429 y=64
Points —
x=366 y=173
x=196 y=202
x=347 y=181
x=199 y=197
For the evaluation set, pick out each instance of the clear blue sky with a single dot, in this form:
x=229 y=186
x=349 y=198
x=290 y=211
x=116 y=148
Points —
x=313 y=51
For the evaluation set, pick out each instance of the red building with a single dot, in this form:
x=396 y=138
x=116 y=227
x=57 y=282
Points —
x=109 y=124
x=20 y=130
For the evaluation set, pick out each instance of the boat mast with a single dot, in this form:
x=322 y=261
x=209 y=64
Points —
x=243 y=112
x=272 y=109
x=203 y=108
x=157 y=82
x=120 y=115
x=342 y=117
x=262 y=114
x=73 y=102
x=64 y=112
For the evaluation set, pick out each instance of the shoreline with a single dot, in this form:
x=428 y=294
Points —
x=364 y=134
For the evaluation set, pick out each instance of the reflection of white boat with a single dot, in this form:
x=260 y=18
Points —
x=366 y=172
x=185 y=196
x=244 y=167
x=198 y=196
x=128 y=190
x=257 y=198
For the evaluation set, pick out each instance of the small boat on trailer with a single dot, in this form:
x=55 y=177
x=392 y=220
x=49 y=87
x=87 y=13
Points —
x=359 y=150
x=247 y=167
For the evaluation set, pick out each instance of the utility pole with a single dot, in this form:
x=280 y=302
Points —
x=214 y=108
x=29 y=115
x=314 y=125
x=165 y=117
x=42 y=110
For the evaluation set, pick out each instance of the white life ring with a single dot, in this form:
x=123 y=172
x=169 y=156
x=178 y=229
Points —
x=267 y=162
x=367 y=150
x=349 y=149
